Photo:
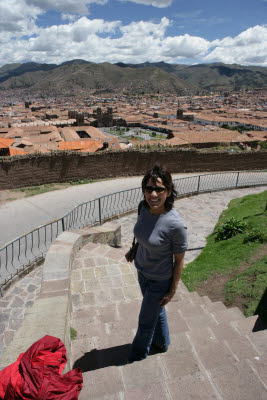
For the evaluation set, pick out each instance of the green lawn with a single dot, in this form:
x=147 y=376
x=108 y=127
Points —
x=248 y=287
x=226 y=256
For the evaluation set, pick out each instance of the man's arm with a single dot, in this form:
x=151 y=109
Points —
x=177 y=272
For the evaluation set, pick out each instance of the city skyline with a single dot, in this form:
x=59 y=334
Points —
x=133 y=31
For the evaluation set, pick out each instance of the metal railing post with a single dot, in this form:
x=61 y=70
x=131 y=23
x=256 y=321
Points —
x=198 y=185
x=63 y=224
x=99 y=211
x=237 y=178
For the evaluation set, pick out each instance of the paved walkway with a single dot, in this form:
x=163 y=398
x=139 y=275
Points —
x=15 y=304
x=200 y=213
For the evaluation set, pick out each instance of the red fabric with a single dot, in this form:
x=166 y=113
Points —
x=37 y=374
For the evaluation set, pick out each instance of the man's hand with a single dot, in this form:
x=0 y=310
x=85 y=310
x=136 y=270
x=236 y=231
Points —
x=167 y=298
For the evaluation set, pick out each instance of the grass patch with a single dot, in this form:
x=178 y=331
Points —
x=247 y=289
x=73 y=333
x=81 y=182
x=225 y=256
x=34 y=190
x=49 y=187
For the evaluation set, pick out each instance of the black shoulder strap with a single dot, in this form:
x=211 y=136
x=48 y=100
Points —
x=140 y=205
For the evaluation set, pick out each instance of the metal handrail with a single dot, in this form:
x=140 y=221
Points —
x=32 y=246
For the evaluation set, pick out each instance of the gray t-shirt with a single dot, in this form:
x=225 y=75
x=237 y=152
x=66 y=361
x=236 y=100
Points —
x=159 y=237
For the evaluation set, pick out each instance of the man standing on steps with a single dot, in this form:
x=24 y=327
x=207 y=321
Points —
x=162 y=238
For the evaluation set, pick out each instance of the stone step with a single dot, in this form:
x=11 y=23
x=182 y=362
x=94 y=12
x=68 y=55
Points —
x=245 y=326
x=195 y=297
x=211 y=351
x=217 y=306
x=105 y=327
x=169 y=377
x=259 y=341
x=227 y=315
x=127 y=313
x=239 y=345
x=205 y=300
x=238 y=381
x=207 y=339
x=259 y=366
x=145 y=380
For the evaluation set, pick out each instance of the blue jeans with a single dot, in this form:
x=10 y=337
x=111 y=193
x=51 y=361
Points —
x=153 y=326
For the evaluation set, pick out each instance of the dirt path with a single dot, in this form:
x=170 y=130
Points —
x=9 y=195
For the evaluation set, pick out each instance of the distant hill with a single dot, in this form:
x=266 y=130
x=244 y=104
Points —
x=80 y=74
x=220 y=76
x=215 y=76
x=10 y=70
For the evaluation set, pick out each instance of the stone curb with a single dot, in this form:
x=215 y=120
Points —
x=50 y=314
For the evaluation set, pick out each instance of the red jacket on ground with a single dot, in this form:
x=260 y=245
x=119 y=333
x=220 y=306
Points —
x=37 y=374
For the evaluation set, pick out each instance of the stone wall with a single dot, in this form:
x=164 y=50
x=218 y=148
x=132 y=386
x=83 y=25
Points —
x=33 y=169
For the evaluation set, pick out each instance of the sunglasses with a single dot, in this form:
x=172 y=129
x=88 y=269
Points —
x=158 y=190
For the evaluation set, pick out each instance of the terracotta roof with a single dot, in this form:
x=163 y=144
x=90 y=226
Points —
x=83 y=145
x=16 y=152
x=222 y=136
x=5 y=143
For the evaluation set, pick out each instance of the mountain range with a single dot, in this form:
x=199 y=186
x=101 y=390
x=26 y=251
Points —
x=160 y=76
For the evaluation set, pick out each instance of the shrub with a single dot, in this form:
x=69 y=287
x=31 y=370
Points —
x=255 y=235
x=73 y=333
x=263 y=145
x=230 y=228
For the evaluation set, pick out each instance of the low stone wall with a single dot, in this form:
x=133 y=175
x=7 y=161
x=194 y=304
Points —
x=33 y=169
x=50 y=313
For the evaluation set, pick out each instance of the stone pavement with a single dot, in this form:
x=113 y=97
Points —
x=15 y=304
x=213 y=352
x=50 y=312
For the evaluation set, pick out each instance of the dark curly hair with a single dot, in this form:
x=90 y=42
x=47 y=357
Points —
x=160 y=171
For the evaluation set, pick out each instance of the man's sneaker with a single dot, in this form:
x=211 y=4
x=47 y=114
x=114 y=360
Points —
x=154 y=349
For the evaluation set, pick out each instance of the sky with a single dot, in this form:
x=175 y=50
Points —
x=134 y=31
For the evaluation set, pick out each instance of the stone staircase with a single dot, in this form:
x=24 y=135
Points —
x=213 y=354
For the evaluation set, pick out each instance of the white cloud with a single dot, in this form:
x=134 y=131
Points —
x=185 y=46
x=63 y=37
x=17 y=18
x=143 y=28
x=67 y=6
x=249 y=47
x=98 y=40
x=137 y=42
x=155 y=3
